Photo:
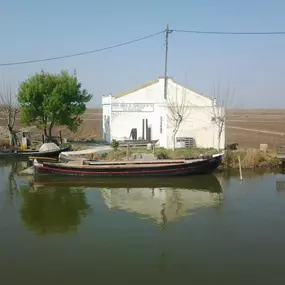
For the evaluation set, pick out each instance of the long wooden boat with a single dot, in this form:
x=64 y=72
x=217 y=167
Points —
x=132 y=168
x=33 y=153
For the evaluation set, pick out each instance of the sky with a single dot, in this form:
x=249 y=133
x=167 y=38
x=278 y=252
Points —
x=253 y=64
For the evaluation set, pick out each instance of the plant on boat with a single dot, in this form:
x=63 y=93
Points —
x=114 y=144
x=49 y=99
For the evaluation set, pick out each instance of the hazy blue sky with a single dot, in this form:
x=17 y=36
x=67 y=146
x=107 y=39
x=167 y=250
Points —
x=255 y=65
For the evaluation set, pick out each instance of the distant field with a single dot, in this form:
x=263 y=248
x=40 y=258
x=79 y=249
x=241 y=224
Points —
x=249 y=128
x=90 y=128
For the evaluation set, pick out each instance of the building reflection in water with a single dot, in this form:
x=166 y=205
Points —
x=162 y=205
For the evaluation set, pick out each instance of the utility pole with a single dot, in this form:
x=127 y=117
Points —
x=167 y=32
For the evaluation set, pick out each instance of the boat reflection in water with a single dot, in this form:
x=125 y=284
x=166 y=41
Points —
x=161 y=200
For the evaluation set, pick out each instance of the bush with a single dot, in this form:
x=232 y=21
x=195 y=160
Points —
x=162 y=154
x=114 y=144
x=116 y=155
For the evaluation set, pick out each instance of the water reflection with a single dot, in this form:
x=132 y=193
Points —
x=44 y=211
x=8 y=177
x=162 y=201
x=49 y=211
x=162 y=205
x=248 y=174
x=231 y=245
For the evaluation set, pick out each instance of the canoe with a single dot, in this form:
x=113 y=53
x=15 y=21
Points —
x=33 y=153
x=131 y=168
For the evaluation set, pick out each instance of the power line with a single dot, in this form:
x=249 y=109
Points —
x=229 y=33
x=140 y=39
x=81 y=53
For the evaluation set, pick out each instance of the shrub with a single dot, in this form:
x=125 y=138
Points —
x=162 y=154
x=114 y=144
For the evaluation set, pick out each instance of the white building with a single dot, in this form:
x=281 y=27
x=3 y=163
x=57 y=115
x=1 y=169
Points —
x=145 y=108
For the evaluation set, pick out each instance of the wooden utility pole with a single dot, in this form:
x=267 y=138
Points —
x=167 y=32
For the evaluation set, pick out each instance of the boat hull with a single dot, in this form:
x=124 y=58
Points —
x=205 y=166
x=27 y=153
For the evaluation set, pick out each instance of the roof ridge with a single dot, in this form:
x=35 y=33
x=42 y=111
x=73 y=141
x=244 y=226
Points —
x=149 y=83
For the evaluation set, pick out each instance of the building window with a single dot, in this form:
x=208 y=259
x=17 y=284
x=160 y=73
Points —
x=161 y=125
x=185 y=142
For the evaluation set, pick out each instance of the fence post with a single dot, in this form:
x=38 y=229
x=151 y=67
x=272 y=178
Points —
x=60 y=137
x=128 y=151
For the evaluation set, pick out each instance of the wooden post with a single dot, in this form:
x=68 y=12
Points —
x=43 y=138
x=143 y=129
x=128 y=151
x=240 y=172
x=60 y=137
x=146 y=129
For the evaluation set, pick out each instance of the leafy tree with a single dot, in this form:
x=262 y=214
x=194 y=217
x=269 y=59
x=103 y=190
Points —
x=52 y=99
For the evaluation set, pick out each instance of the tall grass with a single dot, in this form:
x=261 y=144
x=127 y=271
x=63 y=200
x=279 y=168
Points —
x=250 y=158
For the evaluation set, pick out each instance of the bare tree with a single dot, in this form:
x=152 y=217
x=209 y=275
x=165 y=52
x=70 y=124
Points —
x=220 y=109
x=9 y=110
x=178 y=111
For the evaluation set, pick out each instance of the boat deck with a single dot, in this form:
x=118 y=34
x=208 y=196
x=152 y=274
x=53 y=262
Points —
x=121 y=164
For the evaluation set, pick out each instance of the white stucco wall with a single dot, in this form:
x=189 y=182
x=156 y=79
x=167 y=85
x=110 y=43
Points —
x=123 y=122
x=197 y=124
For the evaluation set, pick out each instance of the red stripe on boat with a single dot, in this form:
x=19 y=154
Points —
x=119 y=172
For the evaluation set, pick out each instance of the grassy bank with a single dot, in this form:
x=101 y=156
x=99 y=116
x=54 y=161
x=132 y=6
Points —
x=250 y=159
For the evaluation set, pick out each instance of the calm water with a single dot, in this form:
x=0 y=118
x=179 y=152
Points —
x=215 y=230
